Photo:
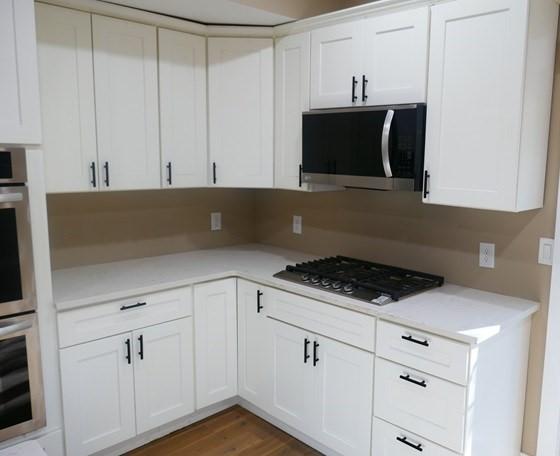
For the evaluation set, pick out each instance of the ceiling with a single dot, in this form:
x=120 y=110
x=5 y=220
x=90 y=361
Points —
x=239 y=12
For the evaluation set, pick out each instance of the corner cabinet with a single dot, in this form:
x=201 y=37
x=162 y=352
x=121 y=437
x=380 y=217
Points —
x=182 y=102
x=126 y=101
x=20 y=116
x=240 y=94
x=489 y=99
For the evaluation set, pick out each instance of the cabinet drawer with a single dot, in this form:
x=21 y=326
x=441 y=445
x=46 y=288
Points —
x=344 y=325
x=96 y=321
x=424 y=351
x=389 y=440
x=426 y=405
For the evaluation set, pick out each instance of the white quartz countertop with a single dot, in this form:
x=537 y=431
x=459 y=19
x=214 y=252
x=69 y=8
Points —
x=465 y=314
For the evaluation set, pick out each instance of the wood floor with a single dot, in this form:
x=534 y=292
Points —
x=234 y=431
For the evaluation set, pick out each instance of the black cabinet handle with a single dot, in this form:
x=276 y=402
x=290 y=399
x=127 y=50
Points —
x=93 y=175
x=259 y=305
x=300 y=175
x=354 y=83
x=409 y=338
x=214 y=180
x=315 y=357
x=133 y=306
x=417 y=447
x=408 y=378
x=128 y=358
x=169 y=176
x=106 y=167
x=306 y=355
x=141 y=350
x=426 y=179
x=364 y=84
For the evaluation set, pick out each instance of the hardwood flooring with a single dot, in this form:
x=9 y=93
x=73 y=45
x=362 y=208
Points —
x=234 y=431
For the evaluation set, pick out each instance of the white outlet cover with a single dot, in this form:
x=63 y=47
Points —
x=487 y=255
x=546 y=251
x=297 y=227
x=216 y=221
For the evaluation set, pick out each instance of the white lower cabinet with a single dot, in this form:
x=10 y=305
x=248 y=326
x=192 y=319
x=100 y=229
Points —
x=389 y=440
x=120 y=386
x=98 y=394
x=215 y=310
x=163 y=373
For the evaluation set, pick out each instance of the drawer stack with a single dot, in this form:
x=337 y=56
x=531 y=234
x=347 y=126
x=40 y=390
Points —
x=420 y=392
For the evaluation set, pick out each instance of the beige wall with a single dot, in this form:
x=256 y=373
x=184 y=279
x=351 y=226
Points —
x=299 y=9
x=104 y=227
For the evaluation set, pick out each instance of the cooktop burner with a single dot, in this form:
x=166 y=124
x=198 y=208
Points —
x=372 y=282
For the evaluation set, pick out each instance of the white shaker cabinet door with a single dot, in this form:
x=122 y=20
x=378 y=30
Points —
x=240 y=93
x=163 y=373
x=126 y=95
x=182 y=91
x=337 y=65
x=215 y=317
x=344 y=396
x=67 y=98
x=475 y=96
x=255 y=350
x=292 y=55
x=396 y=57
x=20 y=116
x=98 y=394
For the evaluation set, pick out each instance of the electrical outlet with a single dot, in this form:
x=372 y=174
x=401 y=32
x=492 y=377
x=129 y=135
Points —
x=216 y=221
x=297 y=224
x=487 y=252
x=546 y=250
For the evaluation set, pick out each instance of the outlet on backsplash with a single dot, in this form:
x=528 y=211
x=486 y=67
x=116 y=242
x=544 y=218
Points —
x=216 y=221
x=297 y=224
x=487 y=252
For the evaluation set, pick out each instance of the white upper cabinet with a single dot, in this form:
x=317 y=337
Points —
x=396 y=57
x=20 y=116
x=126 y=95
x=379 y=60
x=336 y=65
x=67 y=98
x=182 y=92
x=489 y=98
x=292 y=55
x=215 y=318
x=240 y=93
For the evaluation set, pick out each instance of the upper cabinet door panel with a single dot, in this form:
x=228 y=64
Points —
x=396 y=57
x=125 y=59
x=20 y=116
x=336 y=58
x=240 y=76
x=475 y=96
x=67 y=98
x=292 y=54
x=182 y=89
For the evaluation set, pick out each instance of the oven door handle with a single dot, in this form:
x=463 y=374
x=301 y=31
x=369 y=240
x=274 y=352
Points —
x=11 y=197
x=15 y=327
x=385 y=143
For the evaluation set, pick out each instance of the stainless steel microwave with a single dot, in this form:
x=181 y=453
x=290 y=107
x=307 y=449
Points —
x=380 y=148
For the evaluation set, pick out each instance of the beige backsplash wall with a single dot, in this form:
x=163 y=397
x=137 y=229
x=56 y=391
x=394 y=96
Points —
x=396 y=228
x=104 y=227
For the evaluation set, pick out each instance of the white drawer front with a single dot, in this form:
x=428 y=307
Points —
x=102 y=320
x=427 y=352
x=344 y=325
x=389 y=440
x=431 y=407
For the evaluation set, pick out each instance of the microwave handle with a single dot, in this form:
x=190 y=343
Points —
x=10 y=197
x=385 y=143
x=15 y=327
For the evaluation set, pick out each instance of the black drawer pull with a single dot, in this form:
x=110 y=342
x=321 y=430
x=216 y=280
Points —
x=426 y=179
x=259 y=305
x=93 y=175
x=300 y=175
x=128 y=358
x=315 y=357
x=169 y=174
x=133 y=306
x=106 y=167
x=354 y=83
x=408 y=378
x=417 y=447
x=214 y=178
x=409 y=338
x=306 y=355
x=364 y=85
x=141 y=350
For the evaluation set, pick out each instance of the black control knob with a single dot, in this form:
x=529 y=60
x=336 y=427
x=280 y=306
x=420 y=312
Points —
x=337 y=285
x=315 y=279
x=326 y=283
x=305 y=277
x=348 y=288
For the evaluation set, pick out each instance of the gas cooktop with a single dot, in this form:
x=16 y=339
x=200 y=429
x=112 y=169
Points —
x=372 y=282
